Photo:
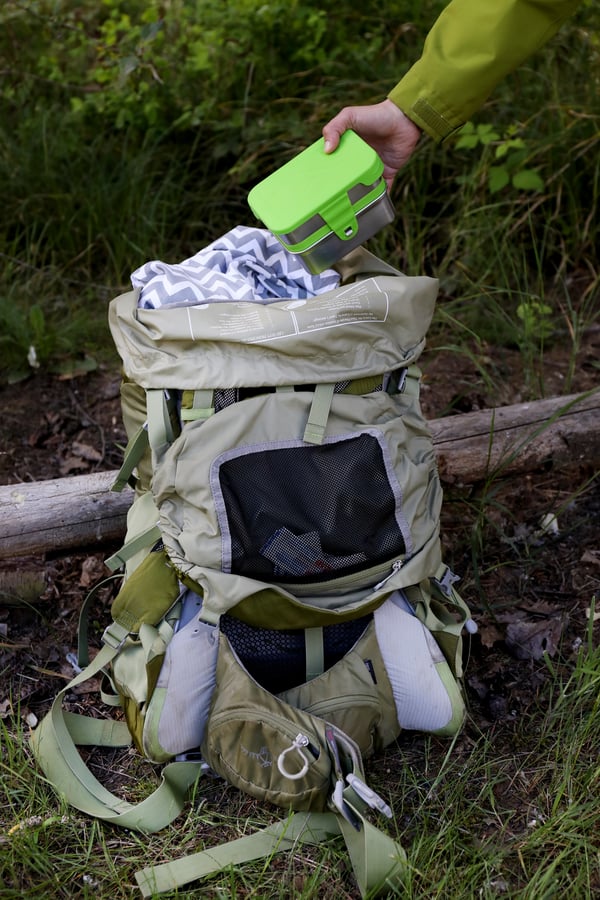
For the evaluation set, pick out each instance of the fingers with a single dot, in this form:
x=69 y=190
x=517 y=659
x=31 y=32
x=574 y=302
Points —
x=383 y=126
x=335 y=128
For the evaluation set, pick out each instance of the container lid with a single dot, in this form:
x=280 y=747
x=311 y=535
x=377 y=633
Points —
x=316 y=183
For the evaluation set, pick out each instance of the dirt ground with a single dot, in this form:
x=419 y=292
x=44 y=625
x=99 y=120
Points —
x=530 y=590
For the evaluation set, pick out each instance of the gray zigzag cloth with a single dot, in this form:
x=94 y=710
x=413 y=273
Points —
x=244 y=264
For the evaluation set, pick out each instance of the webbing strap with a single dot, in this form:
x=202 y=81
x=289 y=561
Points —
x=160 y=430
x=314 y=651
x=83 y=653
x=378 y=860
x=298 y=828
x=363 y=385
x=134 y=451
x=203 y=405
x=54 y=743
x=146 y=538
x=412 y=381
x=319 y=413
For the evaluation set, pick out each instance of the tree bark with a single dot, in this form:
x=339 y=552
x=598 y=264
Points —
x=69 y=513
x=544 y=434
x=61 y=514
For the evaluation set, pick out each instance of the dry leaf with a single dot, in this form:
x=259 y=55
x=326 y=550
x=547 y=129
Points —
x=530 y=640
x=592 y=557
x=86 y=451
x=72 y=464
x=489 y=635
x=92 y=570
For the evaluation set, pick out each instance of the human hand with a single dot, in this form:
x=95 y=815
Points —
x=383 y=126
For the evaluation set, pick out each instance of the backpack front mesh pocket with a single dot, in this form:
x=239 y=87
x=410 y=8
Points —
x=294 y=512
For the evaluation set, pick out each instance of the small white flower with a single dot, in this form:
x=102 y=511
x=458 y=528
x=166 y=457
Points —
x=32 y=358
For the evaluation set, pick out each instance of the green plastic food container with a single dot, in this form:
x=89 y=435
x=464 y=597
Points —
x=320 y=205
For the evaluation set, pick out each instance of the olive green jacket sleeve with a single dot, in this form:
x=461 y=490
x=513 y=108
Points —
x=471 y=47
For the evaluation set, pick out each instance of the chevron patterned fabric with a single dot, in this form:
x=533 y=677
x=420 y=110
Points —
x=244 y=264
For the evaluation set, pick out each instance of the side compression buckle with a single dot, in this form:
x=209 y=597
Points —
x=115 y=636
x=369 y=796
x=445 y=582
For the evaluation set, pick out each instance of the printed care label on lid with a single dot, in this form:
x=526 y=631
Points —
x=253 y=324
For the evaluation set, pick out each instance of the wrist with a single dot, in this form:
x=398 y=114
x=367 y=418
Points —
x=408 y=124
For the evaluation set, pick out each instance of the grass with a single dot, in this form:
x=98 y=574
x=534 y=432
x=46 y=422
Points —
x=509 y=812
x=79 y=217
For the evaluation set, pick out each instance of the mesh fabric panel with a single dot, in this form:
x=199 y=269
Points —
x=276 y=659
x=310 y=513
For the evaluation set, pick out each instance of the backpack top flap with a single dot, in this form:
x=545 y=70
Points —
x=367 y=327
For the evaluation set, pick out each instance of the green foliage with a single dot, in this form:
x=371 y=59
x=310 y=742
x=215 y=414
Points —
x=30 y=339
x=535 y=315
x=507 y=165
x=134 y=130
x=181 y=64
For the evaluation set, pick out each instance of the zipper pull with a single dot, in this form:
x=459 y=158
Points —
x=298 y=744
x=396 y=566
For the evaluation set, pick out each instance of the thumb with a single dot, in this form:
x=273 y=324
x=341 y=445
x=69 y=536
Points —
x=332 y=133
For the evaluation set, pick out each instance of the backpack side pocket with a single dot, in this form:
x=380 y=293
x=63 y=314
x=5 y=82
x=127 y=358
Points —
x=178 y=710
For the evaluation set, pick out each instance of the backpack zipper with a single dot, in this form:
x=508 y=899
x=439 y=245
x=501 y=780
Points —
x=322 y=708
x=357 y=580
x=396 y=566
x=278 y=723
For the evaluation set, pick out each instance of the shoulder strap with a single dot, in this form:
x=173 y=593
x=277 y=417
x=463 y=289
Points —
x=378 y=861
x=54 y=743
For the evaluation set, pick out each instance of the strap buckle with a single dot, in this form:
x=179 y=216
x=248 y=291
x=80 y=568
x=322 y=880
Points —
x=115 y=636
x=369 y=796
x=445 y=582
x=344 y=808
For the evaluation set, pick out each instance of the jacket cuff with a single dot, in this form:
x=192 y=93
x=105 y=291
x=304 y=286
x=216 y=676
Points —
x=426 y=110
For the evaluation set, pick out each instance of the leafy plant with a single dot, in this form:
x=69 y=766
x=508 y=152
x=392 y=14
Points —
x=30 y=340
x=134 y=130
x=508 y=164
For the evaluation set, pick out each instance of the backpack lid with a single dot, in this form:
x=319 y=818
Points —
x=315 y=183
x=365 y=327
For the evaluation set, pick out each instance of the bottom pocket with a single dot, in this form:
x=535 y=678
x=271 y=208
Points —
x=264 y=746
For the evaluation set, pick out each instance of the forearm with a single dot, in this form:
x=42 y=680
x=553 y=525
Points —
x=473 y=45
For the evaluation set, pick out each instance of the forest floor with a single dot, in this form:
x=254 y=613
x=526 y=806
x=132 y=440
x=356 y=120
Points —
x=531 y=589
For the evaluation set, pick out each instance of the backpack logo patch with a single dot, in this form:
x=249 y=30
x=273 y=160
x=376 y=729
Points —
x=263 y=756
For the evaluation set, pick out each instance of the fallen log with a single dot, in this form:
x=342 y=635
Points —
x=69 y=513
x=514 y=439
x=61 y=514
